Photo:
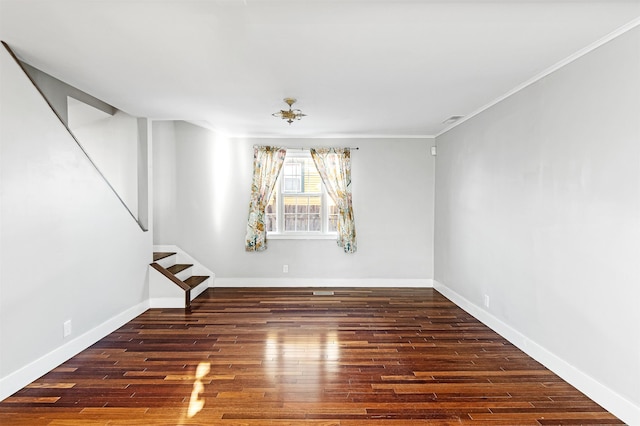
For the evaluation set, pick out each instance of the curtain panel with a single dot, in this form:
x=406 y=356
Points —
x=267 y=162
x=334 y=166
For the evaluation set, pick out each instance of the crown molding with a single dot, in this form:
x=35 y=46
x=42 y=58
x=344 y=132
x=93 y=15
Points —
x=335 y=136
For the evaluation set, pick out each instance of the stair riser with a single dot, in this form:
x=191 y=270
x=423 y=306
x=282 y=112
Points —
x=195 y=292
x=195 y=270
x=168 y=261
x=166 y=281
x=183 y=257
x=183 y=275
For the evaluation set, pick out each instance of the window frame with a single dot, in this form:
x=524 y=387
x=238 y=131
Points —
x=280 y=194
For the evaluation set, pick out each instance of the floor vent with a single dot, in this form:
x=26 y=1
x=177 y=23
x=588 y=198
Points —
x=323 y=293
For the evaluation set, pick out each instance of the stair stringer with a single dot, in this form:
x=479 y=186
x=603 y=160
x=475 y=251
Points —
x=163 y=293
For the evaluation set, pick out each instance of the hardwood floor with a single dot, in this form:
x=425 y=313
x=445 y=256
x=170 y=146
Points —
x=288 y=357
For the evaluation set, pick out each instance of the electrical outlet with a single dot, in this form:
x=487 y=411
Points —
x=66 y=328
x=486 y=300
x=285 y=268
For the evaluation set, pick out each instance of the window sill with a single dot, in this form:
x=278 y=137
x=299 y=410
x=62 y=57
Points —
x=274 y=236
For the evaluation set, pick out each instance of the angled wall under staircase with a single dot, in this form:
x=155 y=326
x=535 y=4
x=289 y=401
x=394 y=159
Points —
x=175 y=278
x=114 y=142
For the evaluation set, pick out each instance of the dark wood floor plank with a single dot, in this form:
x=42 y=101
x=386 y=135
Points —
x=283 y=356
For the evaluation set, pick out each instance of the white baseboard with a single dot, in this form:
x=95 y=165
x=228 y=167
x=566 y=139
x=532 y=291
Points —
x=166 y=302
x=621 y=407
x=27 y=374
x=325 y=282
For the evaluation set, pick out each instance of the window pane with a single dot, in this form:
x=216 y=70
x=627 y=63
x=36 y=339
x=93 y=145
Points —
x=312 y=179
x=292 y=169
x=302 y=223
x=289 y=222
x=271 y=218
x=314 y=223
x=292 y=177
x=302 y=204
x=290 y=204
x=291 y=184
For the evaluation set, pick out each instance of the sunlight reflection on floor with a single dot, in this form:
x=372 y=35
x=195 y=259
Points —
x=195 y=402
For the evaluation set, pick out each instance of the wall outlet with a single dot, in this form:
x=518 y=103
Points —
x=486 y=300
x=66 y=328
x=285 y=268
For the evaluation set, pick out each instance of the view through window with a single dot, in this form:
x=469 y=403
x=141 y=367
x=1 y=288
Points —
x=300 y=204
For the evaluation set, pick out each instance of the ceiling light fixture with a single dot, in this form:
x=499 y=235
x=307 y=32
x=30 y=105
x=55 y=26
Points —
x=292 y=114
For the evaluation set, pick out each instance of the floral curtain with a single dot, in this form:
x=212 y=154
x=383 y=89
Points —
x=267 y=162
x=334 y=166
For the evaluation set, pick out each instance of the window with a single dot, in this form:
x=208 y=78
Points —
x=300 y=206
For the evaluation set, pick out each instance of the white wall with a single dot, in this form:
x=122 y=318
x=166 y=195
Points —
x=392 y=197
x=165 y=228
x=538 y=207
x=68 y=248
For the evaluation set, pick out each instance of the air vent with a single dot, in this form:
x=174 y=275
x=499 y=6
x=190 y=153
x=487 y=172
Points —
x=452 y=119
x=323 y=293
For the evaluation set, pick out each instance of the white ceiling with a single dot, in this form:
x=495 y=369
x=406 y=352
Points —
x=357 y=67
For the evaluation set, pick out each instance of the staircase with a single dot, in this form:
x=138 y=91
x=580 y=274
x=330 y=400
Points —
x=181 y=280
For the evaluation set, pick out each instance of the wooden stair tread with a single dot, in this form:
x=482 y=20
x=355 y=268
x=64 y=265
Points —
x=157 y=255
x=195 y=280
x=179 y=267
x=170 y=276
x=187 y=285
